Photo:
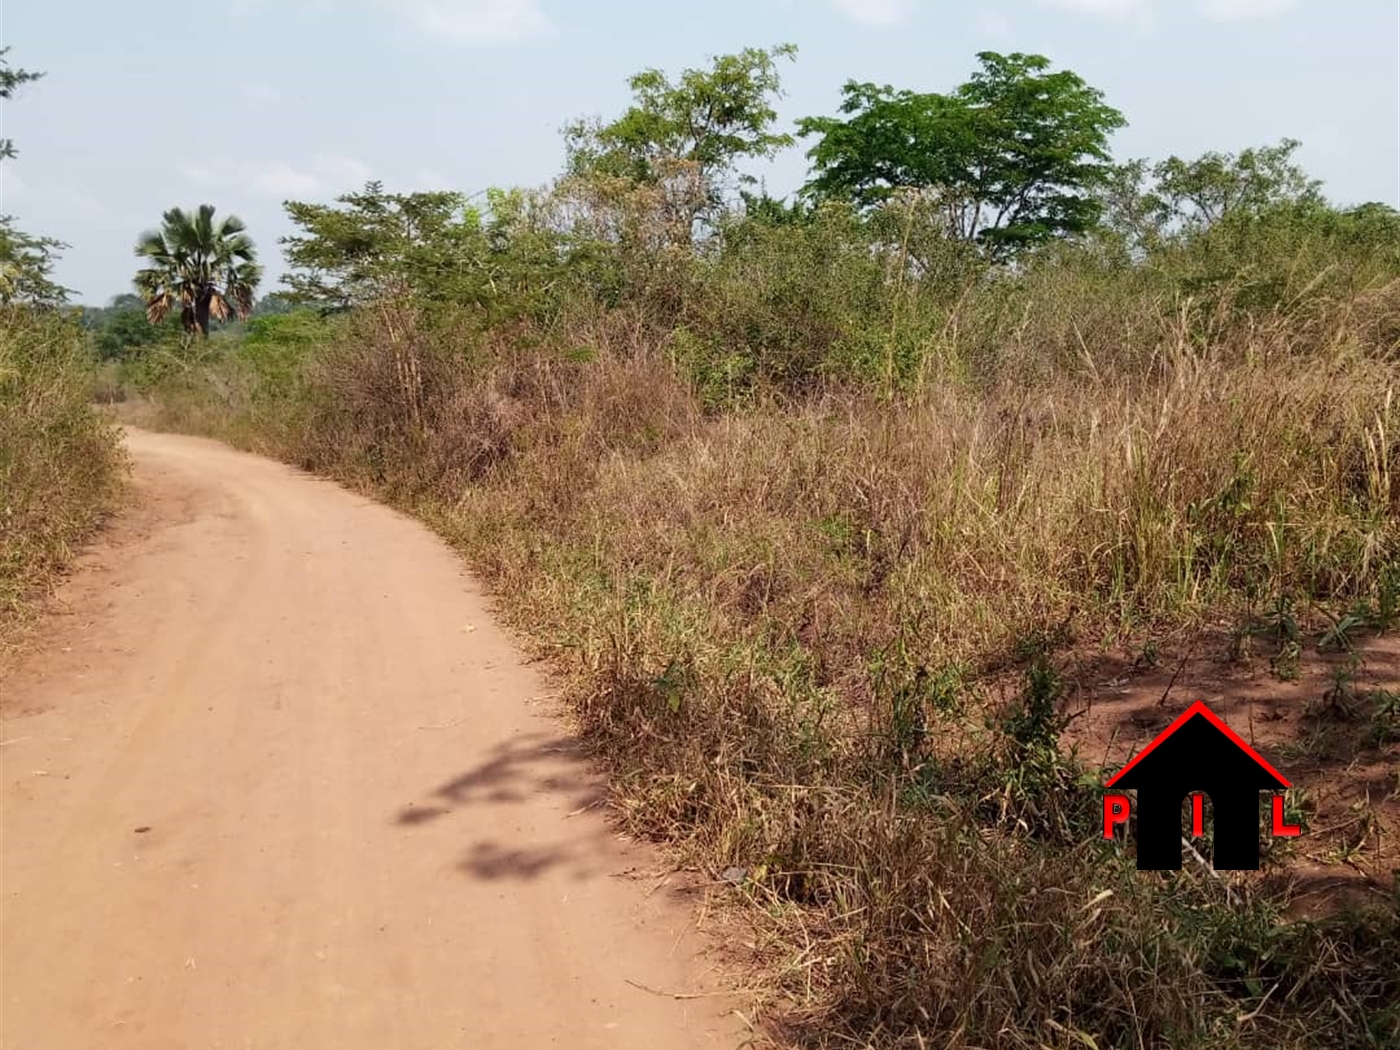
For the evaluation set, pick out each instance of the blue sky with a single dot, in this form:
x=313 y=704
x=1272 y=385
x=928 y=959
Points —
x=245 y=103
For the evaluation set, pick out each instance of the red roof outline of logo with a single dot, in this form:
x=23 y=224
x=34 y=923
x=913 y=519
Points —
x=1199 y=708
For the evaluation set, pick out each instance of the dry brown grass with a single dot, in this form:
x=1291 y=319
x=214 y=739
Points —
x=60 y=464
x=788 y=630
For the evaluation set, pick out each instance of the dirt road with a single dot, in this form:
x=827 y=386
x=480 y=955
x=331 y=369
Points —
x=275 y=780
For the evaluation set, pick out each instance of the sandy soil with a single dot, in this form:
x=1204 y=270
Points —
x=272 y=778
x=1350 y=854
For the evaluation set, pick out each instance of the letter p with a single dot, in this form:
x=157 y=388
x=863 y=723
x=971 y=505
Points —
x=1115 y=811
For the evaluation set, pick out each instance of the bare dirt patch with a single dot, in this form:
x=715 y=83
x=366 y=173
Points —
x=1317 y=716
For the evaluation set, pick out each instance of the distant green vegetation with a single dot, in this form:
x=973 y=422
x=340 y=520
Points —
x=813 y=499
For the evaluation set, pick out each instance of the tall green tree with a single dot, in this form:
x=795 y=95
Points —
x=1148 y=206
x=371 y=244
x=694 y=129
x=26 y=261
x=206 y=268
x=435 y=248
x=1013 y=157
x=1195 y=194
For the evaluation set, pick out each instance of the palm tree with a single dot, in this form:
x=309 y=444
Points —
x=208 y=268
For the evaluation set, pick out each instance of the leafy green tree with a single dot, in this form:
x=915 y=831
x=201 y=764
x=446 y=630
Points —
x=10 y=80
x=208 y=269
x=26 y=268
x=125 y=332
x=1371 y=224
x=95 y=318
x=371 y=245
x=1012 y=158
x=1130 y=221
x=694 y=129
x=121 y=329
x=775 y=211
x=273 y=305
x=1195 y=194
x=501 y=255
x=26 y=261
x=1148 y=206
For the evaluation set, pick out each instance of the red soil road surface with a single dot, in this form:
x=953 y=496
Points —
x=273 y=779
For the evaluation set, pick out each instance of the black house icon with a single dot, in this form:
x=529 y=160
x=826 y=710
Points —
x=1198 y=752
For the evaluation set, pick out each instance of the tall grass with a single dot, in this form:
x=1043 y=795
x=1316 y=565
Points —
x=805 y=536
x=60 y=464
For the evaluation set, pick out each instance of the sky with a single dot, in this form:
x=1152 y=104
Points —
x=247 y=103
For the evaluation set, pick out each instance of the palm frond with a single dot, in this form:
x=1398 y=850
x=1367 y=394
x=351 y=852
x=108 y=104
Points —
x=204 y=226
x=157 y=308
x=181 y=233
x=218 y=307
x=240 y=246
x=151 y=244
x=242 y=294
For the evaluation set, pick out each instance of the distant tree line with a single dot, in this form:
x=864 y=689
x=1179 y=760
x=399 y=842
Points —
x=1013 y=160
x=1004 y=167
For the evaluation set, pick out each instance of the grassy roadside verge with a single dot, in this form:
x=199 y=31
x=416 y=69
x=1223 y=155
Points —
x=816 y=644
x=60 y=462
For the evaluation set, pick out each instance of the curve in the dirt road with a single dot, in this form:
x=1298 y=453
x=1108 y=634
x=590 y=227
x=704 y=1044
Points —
x=275 y=780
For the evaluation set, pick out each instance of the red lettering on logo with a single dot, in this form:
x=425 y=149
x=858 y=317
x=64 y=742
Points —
x=1282 y=830
x=1115 y=811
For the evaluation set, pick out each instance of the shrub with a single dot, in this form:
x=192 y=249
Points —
x=60 y=464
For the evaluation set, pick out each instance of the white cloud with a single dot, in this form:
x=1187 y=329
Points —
x=875 y=12
x=324 y=173
x=1101 y=8
x=476 y=21
x=457 y=21
x=1139 y=14
x=280 y=179
x=1238 y=10
x=345 y=171
x=1142 y=12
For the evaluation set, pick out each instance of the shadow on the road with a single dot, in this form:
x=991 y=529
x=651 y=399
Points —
x=493 y=861
x=550 y=771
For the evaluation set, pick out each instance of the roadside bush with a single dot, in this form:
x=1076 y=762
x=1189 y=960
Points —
x=60 y=463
